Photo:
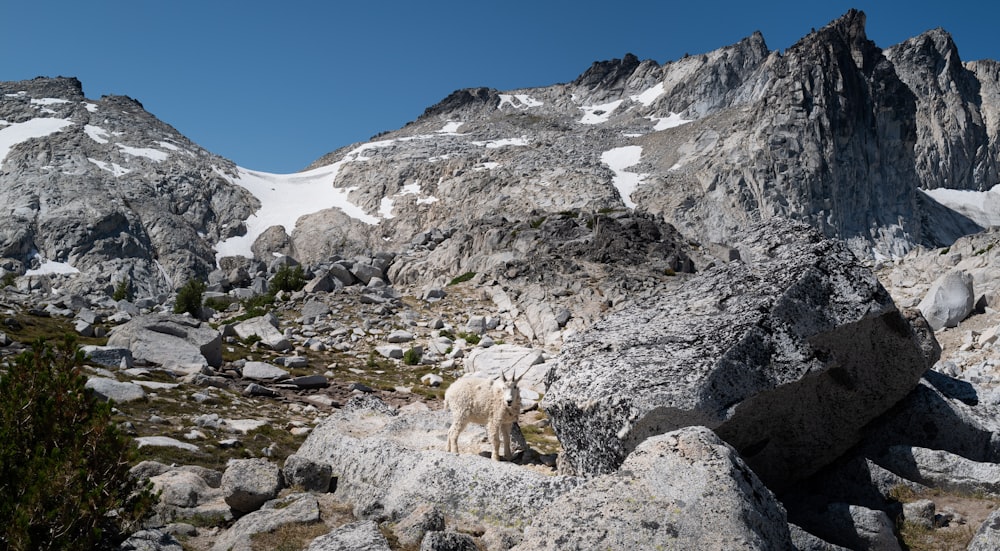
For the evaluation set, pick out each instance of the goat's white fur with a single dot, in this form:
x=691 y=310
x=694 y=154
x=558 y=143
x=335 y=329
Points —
x=495 y=403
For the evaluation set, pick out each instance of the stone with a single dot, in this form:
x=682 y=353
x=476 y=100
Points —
x=309 y=381
x=399 y=336
x=431 y=380
x=83 y=328
x=424 y=518
x=181 y=488
x=248 y=483
x=108 y=356
x=262 y=371
x=320 y=284
x=744 y=348
x=307 y=474
x=941 y=469
x=165 y=441
x=291 y=509
x=153 y=539
x=733 y=510
x=254 y=389
x=855 y=527
x=390 y=351
x=114 y=390
x=920 y=512
x=987 y=537
x=265 y=327
x=169 y=340
x=363 y=535
x=949 y=300
x=315 y=309
x=448 y=541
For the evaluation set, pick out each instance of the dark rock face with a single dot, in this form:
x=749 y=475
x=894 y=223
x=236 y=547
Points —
x=786 y=355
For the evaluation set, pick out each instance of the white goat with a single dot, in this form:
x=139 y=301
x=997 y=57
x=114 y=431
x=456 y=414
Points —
x=494 y=403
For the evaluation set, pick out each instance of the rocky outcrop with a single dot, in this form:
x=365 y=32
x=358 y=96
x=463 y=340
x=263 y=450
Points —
x=103 y=188
x=786 y=355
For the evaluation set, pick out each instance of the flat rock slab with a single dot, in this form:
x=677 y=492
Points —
x=786 y=355
x=262 y=371
x=164 y=441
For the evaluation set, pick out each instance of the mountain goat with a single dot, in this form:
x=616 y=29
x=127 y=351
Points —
x=495 y=403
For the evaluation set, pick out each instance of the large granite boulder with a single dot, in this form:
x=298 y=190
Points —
x=683 y=490
x=170 y=340
x=786 y=355
x=949 y=300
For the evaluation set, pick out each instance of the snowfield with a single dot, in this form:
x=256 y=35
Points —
x=618 y=159
x=982 y=207
x=19 y=132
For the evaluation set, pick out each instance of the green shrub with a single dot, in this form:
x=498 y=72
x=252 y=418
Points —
x=9 y=278
x=288 y=278
x=64 y=466
x=412 y=356
x=462 y=278
x=470 y=338
x=189 y=298
x=123 y=291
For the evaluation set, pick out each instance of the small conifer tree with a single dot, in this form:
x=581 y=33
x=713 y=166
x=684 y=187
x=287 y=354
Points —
x=189 y=298
x=64 y=466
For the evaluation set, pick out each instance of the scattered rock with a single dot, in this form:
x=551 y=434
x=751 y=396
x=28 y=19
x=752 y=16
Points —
x=170 y=340
x=291 y=509
x=248 y=483
x=949 y=300
x=307 y=474
x=111 y=389
x=357 y=536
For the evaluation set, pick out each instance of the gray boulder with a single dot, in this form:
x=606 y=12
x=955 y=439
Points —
x=265 y=327
x=942 y=469
x=358 y=536
x=263 y=371
x=786 y=356
x=987 y=538
x=249 y=483
x=682 y=490
x=111 y=389
x=949 y=300
x=107 y=356
x=855 y=527
x=448 y=541
x=425 y=518
x=291 y=509
x=151 y=540
x=170 y=340
x=307 y=474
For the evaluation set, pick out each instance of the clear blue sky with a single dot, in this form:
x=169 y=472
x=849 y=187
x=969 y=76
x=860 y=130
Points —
x=274 y=85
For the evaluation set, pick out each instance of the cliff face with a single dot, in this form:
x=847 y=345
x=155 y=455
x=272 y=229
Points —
x=834 y=132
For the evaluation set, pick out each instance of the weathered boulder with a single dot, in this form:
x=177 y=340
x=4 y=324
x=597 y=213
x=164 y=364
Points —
x=357 y=536
x=987 y=538
x=151 y=540
x=170 y=340
x=683 y=490
x=265 y=327
x=448 y=541
x=111 y=389
x=291 y=509
x=943 y=470
x=425 y=518
x=308 y=474
x=855 y=527
x=263 y=371
x=107 y=356
x=249 y=483
x=949 y=300
x=786 y=355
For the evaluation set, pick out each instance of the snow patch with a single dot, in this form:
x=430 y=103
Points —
x=92 y=107
x=486 y=166
x=153 y=154
x=113 y=168
x=670 y=121
x=47 y=267
x=649 y=96
x=48 y=101
x=494 y=144
x=168 y=145
x=982 y=207
x=96 y=133
x=618 y=159
x=20 y=132
x=385 y=208
x=596 y=114
x=411 y=189
x=518 y=101
x=451 y=127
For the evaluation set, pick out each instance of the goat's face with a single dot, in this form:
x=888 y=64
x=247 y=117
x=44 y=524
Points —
x=511 y=394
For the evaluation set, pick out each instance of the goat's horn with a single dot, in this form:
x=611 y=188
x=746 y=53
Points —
x=518 y=379
x=502 y=376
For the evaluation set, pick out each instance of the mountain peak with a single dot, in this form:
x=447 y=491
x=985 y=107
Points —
x=606 y=73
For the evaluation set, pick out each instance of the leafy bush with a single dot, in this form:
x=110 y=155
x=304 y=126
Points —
x=288 y=278
x=64 y=467
x=470 y=338
x=189 y=298
x=9 y=278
